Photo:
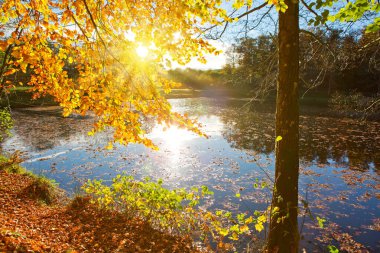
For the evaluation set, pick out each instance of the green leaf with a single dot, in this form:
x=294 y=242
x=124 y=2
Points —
x=224 y=232
x=321 y=222
x=332 y=249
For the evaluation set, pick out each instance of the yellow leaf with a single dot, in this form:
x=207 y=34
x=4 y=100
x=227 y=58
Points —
x=23 y=66
x=259 y=227
x=244 y=229
x=262 y=219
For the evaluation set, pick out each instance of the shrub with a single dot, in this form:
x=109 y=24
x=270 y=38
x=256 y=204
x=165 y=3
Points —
x=11 y=164
x=175 y=211
x=6 y=123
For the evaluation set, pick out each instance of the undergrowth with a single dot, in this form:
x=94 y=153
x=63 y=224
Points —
x=176 y=211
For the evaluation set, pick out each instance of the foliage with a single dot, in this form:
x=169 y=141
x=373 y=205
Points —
x=332 y=249
x=11 y=164
x=6 y=123
x=355 y=10
x=252 y=64
x=321 y=222
x=176 y=211
x=198 y=79
x=329 y=61
x=347 y=12
x=99 y=40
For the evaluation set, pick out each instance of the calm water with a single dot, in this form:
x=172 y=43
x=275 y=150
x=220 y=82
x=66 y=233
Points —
x=340 y=161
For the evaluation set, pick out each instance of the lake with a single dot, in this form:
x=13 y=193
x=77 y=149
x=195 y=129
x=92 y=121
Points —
x=340 y=162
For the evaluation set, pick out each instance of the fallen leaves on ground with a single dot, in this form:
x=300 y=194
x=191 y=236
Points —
x=29 y=226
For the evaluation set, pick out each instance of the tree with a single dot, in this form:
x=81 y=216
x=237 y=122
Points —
x=256 y=64
x=283 y=230
x=97 y=41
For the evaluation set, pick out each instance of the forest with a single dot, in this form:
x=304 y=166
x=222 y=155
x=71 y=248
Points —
x=340 y=69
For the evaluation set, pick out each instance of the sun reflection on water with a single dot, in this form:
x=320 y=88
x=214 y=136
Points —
x=172 y=137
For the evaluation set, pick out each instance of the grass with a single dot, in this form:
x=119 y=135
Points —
x=39 y=188
x=42 y=189
x=20 y=88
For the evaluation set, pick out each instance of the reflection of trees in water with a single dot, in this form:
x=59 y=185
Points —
x=40 y=130
x=249 y=130
x=345 y=141
x=43 y=129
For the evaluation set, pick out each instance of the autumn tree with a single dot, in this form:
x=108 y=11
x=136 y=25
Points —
x=283 y=231
x=97 y=41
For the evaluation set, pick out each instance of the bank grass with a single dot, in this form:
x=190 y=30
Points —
x=21 y=97
x=43 y=189
x=11 y=164
x=39 y=187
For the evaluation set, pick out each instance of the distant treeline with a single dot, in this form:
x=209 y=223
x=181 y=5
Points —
x=331 y=61
x=198 y=79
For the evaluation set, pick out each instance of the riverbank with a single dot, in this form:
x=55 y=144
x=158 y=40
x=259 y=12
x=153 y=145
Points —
x=30 y=223
x=316 y=104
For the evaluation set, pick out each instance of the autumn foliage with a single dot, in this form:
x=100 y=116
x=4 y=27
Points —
x=99 y=39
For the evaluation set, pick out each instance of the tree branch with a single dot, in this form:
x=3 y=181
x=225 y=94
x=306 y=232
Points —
x=238 y=17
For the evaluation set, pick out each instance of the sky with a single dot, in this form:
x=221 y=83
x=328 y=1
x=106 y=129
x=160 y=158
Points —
x=263 y=21
x=213 y=61
x=229 y=37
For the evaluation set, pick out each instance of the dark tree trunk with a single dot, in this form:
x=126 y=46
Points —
x=283 y=231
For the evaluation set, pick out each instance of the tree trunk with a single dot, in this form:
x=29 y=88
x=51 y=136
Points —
x=283 y=230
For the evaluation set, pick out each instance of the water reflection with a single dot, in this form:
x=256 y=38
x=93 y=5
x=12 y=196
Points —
x=340 y=158
x=39 y=129
x=44 y=134
x=345 y=141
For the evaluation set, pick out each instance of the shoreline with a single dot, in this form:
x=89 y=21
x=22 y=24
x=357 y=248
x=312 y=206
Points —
x=30 y=223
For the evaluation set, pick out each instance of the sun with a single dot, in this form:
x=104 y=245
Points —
x=142 y=51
